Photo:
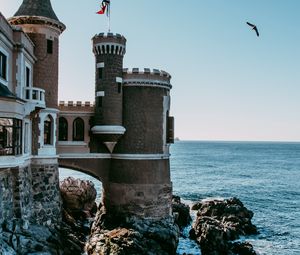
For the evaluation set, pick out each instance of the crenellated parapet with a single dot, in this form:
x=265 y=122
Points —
x=146 y=77
x=109 y=44
x=78 y=106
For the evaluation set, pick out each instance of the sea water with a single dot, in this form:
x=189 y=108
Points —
x=265 y=176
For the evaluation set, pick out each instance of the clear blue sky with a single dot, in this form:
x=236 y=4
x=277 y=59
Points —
x=227 y=83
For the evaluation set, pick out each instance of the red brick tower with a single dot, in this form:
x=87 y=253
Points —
x=109 y=50
x=38 y=20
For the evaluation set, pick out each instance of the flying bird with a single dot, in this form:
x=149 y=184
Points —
x=253 y=27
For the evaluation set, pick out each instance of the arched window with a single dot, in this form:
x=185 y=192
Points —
x=48 y=130
x=63 y=129
x=78 y=130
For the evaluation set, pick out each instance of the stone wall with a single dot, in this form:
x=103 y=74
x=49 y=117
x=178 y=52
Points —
x=46 y=195
x=6 y=195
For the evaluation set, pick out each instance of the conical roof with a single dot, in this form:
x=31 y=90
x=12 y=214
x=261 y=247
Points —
x=41 y=8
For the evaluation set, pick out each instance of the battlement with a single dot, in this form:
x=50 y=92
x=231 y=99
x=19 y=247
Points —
x=109 y=44
x=146 y=77
x=76 y=106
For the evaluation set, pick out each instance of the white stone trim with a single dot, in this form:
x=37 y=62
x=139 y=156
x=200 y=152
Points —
x=14 y=161
x=71 y=143
x=108 y=129
x=100 y=65
x=119 y=79
x=146 y=83
x=100 y=94
x=40 y=160
x=140 y=156
x=85 y=155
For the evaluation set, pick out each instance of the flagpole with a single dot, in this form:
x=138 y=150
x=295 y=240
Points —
x=108 y=13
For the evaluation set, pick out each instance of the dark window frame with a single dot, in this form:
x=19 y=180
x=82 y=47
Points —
x=11 y=137
x=78 y=129
x=63 y=129
x=49 y=46
x=48 y=130
x=27 y=76
x=100 y=73
x=3 y=66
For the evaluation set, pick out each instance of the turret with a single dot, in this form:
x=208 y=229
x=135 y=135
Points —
x=109 y=50
x=38 y=20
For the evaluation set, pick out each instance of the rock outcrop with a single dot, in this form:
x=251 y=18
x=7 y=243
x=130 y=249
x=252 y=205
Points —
x=78 y=198
x=118 y=235
x=181 y=212
x=218 y=223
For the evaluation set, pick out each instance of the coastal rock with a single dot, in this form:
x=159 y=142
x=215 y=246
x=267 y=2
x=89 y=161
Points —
x=181 y=212
x=117 y=235
x=78 y=198
x=244 y=248
x=219 y=222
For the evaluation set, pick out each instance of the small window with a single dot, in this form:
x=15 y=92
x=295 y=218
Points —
x=99 y=101
x=100 y=73
x=63 y=129
x=3 y=66
x=78 y=130
x=48 y=130
x=119 y=87
x=27 y=76
x=49 y=46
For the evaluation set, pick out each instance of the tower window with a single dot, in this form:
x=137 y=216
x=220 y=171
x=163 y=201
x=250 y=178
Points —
x=119 y=87
x=78 y=130
x=49 y=46
x=99 y=101
x=27 y=77
x=3 y=65
x=100 y=73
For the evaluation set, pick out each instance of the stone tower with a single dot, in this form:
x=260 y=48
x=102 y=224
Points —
x=109 y=50
x=39 y=22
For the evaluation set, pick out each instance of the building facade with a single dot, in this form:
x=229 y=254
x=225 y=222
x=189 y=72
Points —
x=122 y=138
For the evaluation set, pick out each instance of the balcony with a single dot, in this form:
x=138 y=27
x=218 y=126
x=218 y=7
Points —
x=35 y=96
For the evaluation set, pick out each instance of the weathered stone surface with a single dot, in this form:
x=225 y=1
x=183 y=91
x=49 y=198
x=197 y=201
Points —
x=219 y=222
x=117 y=235
x=78 y=198
x=181 y=212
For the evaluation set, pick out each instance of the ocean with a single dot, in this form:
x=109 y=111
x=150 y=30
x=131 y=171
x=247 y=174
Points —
x=265 y=176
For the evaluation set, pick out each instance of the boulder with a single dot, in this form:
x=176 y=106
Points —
x=118 y=235
x=78 y=198
x=181 y=212
x=218 y=223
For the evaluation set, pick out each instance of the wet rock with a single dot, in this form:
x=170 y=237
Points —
x=78 y=198
x=117 y=235
x=219 y=222
x=181 y=212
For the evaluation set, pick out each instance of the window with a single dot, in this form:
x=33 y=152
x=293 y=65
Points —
x=63 y=129
x=100 y=73
x=119 y=87
x=78 y=130
x=3 y=66
x=48 y=126
x=27 y=76
x=10 y=136
x=49 y=46
x=99 y=101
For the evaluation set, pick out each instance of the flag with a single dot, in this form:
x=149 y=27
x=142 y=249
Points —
x=104 y=7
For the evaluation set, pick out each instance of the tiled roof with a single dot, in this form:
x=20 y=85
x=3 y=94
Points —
x=36 y=8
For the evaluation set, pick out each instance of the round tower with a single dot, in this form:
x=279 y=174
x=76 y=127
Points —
x=109 y=50
x=140 y=166
x=39 y=22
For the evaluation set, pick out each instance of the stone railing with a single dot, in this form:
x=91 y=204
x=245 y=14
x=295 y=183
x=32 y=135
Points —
x=35 y=96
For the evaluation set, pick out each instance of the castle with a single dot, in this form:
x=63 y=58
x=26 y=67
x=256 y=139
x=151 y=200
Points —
x=122 y=139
